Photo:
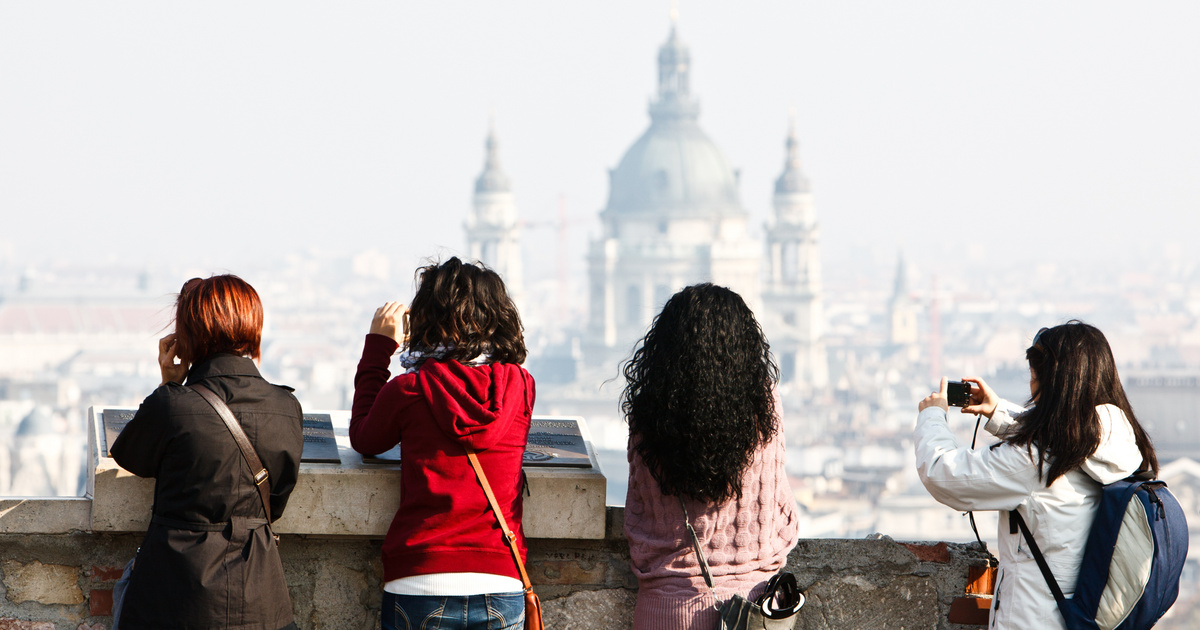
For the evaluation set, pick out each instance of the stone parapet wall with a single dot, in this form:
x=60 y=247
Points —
x=863 y=584
x=64 y=581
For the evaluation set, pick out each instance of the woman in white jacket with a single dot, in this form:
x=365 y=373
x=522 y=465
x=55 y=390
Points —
x=1052 y=458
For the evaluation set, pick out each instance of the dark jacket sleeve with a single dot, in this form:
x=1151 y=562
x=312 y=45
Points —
x=140 y=446
x=285 y=470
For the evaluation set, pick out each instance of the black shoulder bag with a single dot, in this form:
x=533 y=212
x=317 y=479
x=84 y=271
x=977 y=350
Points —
x=775 y=609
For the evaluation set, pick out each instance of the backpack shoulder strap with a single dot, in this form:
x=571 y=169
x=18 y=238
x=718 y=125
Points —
x=1037 y=556
x=248 y=453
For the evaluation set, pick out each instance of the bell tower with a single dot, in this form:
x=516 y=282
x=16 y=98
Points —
x=493 y=232
x=794 y=315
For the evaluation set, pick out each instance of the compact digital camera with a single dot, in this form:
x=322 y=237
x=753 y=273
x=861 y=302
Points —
x=958 y=393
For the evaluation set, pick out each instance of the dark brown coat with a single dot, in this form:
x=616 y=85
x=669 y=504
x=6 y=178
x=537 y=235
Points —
x=208 y=560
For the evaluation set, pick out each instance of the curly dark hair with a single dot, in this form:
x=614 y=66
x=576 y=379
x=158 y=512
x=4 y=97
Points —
x=1075 y=373
x=699 y=397
x=465 y=306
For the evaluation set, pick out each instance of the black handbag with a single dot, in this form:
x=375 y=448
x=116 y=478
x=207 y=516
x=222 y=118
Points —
x=775 y=609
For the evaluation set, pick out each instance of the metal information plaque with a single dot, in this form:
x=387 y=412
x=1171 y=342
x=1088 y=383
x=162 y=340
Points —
x=319 y=444
x=114 y=421
x=553 y=442
x=556 y=442
x=390 y=456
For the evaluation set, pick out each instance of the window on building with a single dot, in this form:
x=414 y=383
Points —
x=633 y=305
x=790 y=261
x=662 y=293
x=787 y=367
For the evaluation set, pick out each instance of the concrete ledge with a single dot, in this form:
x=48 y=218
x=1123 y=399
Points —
x=564 y=503
x=42 y=515
x=351 y=499
x=357 y=499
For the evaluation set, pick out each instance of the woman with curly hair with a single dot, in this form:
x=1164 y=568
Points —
x=705 y=436
x=445 y=562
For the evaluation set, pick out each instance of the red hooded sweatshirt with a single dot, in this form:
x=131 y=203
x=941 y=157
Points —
x=444 y=524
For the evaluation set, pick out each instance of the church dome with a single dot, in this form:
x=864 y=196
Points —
x=40 y=421
x=674 y=168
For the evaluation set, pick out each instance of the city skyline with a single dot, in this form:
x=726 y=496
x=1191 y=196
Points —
x=977 y=173
x=960 y=135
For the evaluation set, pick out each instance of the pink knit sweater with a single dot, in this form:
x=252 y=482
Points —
x=746 y=541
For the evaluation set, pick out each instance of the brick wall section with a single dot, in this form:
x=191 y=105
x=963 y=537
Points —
x=930 y=553
x=335 y=582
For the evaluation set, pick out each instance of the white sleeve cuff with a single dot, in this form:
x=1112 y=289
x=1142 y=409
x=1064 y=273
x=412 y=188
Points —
x=1002 y=421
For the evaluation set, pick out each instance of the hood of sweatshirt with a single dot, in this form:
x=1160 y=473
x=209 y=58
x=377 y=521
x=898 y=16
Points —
x=476 y=405
x=1118 y=456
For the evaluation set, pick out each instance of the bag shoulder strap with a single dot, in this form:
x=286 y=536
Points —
x=687 y=521
x=257 y=470
x=508 y=535
x=1037 y=556
x=704 y=570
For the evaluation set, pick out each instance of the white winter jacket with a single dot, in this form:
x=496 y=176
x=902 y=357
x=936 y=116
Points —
x=1006 y=477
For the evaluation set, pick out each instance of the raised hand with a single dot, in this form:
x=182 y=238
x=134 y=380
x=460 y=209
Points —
x=390 y=320
x=171 y=371
x=937 y=398
x=983 y=399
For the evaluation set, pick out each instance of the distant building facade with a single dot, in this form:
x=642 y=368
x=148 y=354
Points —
x=792 y=312
x=44 y=456
x=902 y=311
x=493 y=231
x=675 y=217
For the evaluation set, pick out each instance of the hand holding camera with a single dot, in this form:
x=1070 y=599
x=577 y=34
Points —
x=981 y=399
x=971 y=394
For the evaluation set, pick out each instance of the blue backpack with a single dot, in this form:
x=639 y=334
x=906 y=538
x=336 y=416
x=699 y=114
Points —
x=1135 y=552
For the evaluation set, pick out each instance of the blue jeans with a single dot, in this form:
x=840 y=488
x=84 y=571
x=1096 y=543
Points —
x=119 y=591
x=499 y=611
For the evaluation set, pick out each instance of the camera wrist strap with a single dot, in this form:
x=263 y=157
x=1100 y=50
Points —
x=992 y=560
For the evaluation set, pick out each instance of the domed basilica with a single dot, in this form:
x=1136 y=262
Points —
x=674 y=217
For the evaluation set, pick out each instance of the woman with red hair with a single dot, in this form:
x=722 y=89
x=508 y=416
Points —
x=209 y=559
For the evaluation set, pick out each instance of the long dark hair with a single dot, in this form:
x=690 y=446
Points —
x=699 y=395
x=465 y=307
x=1075 y=373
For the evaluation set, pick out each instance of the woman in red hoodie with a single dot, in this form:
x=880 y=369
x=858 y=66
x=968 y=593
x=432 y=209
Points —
x=444 y=558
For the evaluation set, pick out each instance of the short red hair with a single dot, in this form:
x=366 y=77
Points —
x=219 y=315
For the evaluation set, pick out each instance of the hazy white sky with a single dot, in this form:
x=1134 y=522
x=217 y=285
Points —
x=218 y=133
